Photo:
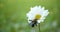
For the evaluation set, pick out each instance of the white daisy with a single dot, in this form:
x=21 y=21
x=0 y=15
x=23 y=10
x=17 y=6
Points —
x=38 y=13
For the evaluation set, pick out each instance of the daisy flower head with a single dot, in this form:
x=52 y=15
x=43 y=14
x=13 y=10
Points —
x=39 y=13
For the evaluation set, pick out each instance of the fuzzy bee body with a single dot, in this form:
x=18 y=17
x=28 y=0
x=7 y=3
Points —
x=33 y=22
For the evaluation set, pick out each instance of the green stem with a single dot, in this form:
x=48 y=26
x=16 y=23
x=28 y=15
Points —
x=39 y=27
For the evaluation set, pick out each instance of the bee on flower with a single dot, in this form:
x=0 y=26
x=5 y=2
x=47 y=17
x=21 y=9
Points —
x=36 y=15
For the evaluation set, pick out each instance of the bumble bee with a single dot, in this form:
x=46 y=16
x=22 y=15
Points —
x=33 y=22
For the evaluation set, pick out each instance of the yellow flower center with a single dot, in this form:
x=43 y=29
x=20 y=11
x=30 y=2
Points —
x=38 y=16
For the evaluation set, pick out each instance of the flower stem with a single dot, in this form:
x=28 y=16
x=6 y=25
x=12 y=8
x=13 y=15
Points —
x=39 y=27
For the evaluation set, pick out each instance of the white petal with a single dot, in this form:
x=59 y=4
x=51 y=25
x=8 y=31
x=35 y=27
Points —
x=39 y=21
x=43 y=8
x=37 y=10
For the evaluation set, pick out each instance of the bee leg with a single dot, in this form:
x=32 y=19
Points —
x=35 y=23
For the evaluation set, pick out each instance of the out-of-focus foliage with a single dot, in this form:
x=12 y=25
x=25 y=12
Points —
x=13 y=15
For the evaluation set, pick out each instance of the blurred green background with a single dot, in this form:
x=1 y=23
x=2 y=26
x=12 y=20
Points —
x=13 y=15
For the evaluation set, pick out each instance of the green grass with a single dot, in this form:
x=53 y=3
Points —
x=13 y=15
